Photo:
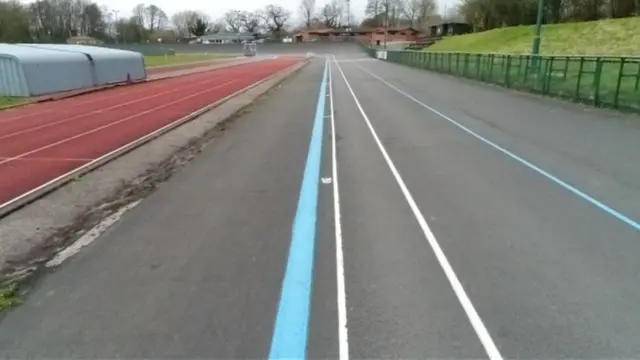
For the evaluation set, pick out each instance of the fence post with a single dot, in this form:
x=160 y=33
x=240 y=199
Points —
x=566 y=68
x=507 y=75
x=580 y=69
x=619 y=82
x=596 y=82
x=466 y=65
x=547 y=83
x=491 y=61
x=638 y=77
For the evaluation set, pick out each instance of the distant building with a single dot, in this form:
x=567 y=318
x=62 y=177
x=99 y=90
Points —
x=224 y=37
x=368 y=35
x=450 y=28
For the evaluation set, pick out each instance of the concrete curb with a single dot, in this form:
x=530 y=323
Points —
x=26 y=198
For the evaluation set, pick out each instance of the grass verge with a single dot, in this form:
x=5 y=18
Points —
x=9 y=101
x=604 y=37
x=9 y=296
x=162 y=60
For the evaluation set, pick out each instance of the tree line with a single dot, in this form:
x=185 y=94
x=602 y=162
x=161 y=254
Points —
x=334 y=14
x=489 y=14
x=55 y=21
x=58 y=20
x=413 y=13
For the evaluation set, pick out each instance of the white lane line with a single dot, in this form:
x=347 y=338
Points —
x=367 y=59
x=479 y=327
x=46 y=159
x=114 y=123
x=83 y=116
x=567 y=186
x=343 y=331
x=90 y=236
x=73 y=102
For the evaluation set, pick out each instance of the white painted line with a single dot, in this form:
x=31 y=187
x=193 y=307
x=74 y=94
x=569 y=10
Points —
x=45 y=159
x=114 y=123
x=83 y=116
x=367 y=59
x=343 y=331
x=35 y=193
x=479 y=327
x=567 y=186
x=122 y=86
x=90 y=236
x=77 y=100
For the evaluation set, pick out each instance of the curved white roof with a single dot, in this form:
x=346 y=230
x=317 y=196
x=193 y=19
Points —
x=28 y=54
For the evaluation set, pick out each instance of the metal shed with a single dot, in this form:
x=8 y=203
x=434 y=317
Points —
x=39 y=69
x=111 y=65
x=26 y=71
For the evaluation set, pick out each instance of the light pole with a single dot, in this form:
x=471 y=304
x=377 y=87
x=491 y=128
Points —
x=115 y=12
x=348 y=2
x=348 y=19
x=386 y=23
x=535 y=51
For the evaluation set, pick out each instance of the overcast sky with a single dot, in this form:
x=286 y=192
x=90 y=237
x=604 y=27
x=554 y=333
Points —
x=217 y=7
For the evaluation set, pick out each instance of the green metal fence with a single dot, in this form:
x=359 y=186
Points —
x=597 y=80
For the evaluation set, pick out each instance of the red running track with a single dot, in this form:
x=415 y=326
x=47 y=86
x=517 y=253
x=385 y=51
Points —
x=41 y=142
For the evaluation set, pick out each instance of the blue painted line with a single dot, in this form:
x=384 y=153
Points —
x=618 y=215
x=292 y=321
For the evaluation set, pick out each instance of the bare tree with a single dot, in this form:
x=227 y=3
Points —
x=330 y=14
x=184 y=21
x=217 y=25
x=276 y=18
x=233 y=20
x=409 y=10
x=155 y=18
x=139 y=14
x=307 y=9
x=251 y=21
x=374 y=8
x=416 y=11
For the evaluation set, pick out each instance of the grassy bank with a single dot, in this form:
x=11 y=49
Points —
x=9 y=296
x=161 y=60
x=604 y=37
x=8 y=101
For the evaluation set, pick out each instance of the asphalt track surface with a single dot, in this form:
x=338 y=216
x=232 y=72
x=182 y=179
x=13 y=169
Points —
x=41 y=142
x=368 y=210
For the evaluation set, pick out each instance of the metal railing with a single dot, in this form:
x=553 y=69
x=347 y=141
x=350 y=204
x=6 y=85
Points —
x=601 y=81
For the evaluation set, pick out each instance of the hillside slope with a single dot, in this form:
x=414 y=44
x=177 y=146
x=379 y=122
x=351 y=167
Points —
x=604 y=37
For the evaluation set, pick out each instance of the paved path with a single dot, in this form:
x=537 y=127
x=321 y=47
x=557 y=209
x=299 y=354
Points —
x=430 y=218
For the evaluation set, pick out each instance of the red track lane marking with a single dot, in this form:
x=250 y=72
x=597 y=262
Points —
x=134 y=88
x=17 y=145
x=23 y=126
x=91 y=98
x=26 y=175
x=49 y=124
x=115 y=137
x=106 y=126
x=46 y=159
x=26 y=178
x=110 y=93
